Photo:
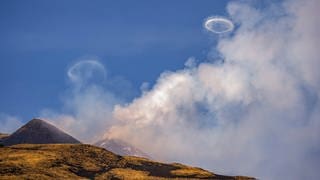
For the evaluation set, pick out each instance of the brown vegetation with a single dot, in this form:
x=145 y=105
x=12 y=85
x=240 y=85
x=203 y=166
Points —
x=71 y=161
x=2 y=135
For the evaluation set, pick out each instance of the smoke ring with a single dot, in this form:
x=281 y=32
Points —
x=84 y=70
x=218 y=25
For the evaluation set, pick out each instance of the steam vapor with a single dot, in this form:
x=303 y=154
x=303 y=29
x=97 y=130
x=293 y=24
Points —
x=87 y=105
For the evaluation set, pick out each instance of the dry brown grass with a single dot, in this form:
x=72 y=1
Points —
x=70 y=161
x=191 y=172
x=121 y=173
x=2 y=135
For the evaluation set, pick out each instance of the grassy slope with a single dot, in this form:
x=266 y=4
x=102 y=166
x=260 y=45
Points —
x=2 y=135
x=86 y=161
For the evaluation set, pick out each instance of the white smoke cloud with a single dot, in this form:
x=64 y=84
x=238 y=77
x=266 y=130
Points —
x=9 y=123
x=85 y=114
x=87 y=106
x=256 y=114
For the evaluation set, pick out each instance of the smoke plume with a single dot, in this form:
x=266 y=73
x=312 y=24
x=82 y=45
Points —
x=257 y=113
x=87 y=105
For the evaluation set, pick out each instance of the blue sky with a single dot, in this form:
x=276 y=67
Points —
x=135 y=40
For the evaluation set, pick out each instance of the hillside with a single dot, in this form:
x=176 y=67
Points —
x=74 y=161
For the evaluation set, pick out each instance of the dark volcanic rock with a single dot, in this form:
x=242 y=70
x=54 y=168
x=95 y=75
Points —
x=38 y=131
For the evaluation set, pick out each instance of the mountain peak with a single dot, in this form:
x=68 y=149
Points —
x=36 y=120
x=38 y=131
x=120 y=147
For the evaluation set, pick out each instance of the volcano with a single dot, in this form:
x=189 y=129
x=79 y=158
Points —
x=120 y=147
x=38 y=131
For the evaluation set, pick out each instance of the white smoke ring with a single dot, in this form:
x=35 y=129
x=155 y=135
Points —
x=76 y=75
x=218 y=20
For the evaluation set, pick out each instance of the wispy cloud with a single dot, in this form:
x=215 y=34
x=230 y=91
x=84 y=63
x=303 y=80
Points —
x=9 y=123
